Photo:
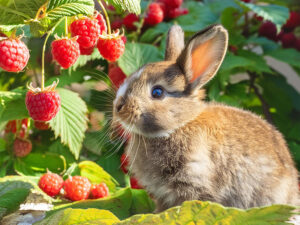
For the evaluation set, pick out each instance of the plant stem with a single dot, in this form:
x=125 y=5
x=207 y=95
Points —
x=43 y=54
x=66 y=26
x=106 y=16
x=265 y=106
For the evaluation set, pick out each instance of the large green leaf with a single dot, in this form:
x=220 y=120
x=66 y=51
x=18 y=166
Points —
x=196 y=212
x=136 y=55
x=14 y=190
x=290 y=56
x=132 y=6
x=232 y=61
x=80 y=216
x=38 y=163
x=96 y=174
x=118 y=203
x=274 y=13
x=71 y=122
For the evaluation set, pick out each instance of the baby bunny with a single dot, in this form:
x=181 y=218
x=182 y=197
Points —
x=183 y=148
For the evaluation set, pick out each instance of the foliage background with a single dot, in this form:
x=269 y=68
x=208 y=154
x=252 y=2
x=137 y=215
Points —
x=79 y=133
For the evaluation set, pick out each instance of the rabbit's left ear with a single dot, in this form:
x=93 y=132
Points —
x=203 y=55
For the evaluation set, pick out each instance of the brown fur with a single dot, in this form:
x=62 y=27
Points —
x=182 y=148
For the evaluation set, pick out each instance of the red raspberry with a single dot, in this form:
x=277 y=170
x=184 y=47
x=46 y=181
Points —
x=23 y=128
x=77 y=188
x=233 y=48
x=11 y=126
x=124 y=38
x=258 y=18
x=51 y=183
x=117 y=24
x=293 y=21
x=297 y=44
x=87 y=30
x=174 y=13
x=172 y=4
x=268 y=30
x=288 y=40
x=86 y=51
x=129 y=21
x=134 y=183
x=40 y=125
x=101 y=22
x=111 y=48
x=14 y=55
x=247 y=1
x=124 y=163
x=65 y=51
x=99 y=190
x=42 y=106
x=22 y=147
x=117 y=76
x=155 y=14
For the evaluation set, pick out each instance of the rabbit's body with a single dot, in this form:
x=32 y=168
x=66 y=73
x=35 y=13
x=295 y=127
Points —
x=182 y=148
x=227 y=160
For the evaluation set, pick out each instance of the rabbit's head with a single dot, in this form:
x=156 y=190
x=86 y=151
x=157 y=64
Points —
x=163 y=96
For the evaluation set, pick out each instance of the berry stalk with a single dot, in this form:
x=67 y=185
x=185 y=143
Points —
x=106 y=16
x=43 y=53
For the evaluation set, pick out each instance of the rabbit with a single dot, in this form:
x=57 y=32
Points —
x=184 y=148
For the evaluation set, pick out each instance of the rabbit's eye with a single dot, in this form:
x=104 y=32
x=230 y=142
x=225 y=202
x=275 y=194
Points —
x=157 y=92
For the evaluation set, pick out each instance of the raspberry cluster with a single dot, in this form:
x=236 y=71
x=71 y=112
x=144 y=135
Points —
x=286 y=36
x=74 y=188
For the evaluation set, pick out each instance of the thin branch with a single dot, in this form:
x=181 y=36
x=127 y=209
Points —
x=264 y=104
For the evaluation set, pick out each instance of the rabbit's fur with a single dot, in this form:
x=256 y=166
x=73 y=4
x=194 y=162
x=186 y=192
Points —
x=183 y=148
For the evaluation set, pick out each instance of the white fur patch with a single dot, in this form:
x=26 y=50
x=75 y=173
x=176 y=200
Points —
x=122 y=90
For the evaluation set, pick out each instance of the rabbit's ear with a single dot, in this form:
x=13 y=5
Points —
x=175 y=43
x=203 y=55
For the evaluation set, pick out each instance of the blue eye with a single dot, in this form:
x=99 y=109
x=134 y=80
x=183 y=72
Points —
x=157 y=92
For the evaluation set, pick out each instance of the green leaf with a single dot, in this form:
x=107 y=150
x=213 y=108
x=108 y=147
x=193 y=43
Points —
x=38 y=163
x=60 y=149
x=80 y=216
x=132 y=6
x=232 y=61
x=199 y=17
x=274 y=13
x=96 y=174
x=119 y=204
x=141 y=202
x=70 y=122
x=137 y=55
x=2 y=145
x=150 y=34
x=14 y=190
x=196 y=212
x=289 y=56
x=15 y=13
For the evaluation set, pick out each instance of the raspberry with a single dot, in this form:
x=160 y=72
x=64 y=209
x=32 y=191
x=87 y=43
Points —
x=297 y=44
x=65 y=51
x=51 y=183
x=116 y=75
x=124 y=163
x=14 y=55
x=77 y=188
x=117 y=24
x=42 y=106
x=111 y=48
x=233 y=48
x=11 y=126
x=101 y=22
x=247 y=1
x=22 y=147
x=134 y=183
x=23 y=128
x=129 y=21
x=155 y=14
x=124 y=38
x=293 y=21
x=40 y=125
x=268 y=30
x=99 y=190
x=87 y=30
x=172 y=4
x=174 y=13
x=86 y=51
x=288 y=40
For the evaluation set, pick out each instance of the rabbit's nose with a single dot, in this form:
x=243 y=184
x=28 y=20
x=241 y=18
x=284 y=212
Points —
x=120 y=104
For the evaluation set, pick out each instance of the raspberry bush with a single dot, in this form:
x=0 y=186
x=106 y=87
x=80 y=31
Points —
x=60 y=65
